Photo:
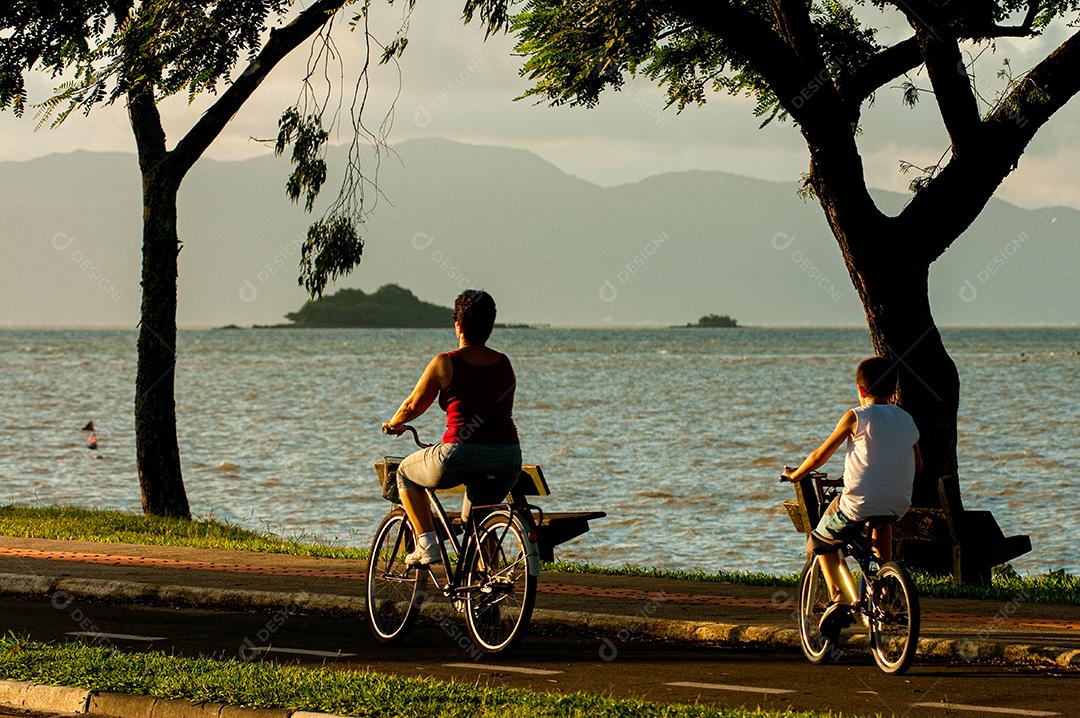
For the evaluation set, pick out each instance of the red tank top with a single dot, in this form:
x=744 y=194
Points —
x=479 y=403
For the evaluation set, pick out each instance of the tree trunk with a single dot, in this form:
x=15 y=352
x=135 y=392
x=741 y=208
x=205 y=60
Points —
x=902 y=329
x=893 y=285
x=158 y=455
x=891 y=276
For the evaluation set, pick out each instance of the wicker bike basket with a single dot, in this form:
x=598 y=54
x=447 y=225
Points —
x=386 y=470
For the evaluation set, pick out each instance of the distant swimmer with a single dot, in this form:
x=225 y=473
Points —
x=1023 y=356
x=91 y=441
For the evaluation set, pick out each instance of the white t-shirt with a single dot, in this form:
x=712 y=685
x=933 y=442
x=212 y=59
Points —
x=879 y=469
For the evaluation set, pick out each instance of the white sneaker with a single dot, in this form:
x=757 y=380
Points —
x=424 y=556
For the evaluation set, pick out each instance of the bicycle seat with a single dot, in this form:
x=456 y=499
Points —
x=876 y=521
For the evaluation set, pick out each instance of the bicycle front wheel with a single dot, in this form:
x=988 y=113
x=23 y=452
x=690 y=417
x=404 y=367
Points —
x=394 y=591
x=502 y=578
x=813 y=600
x=894 y=618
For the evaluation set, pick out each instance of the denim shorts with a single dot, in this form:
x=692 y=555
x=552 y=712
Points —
x=488 y=471
x=833 y=530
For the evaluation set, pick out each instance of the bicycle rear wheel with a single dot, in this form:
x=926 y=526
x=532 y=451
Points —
x=502 y=572
x=394 y=591
x=813 y=600
x=894 y=618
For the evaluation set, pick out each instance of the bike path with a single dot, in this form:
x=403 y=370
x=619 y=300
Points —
x=665 y=672
x=635 y=599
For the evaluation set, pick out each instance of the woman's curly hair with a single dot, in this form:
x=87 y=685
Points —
x=474 y=310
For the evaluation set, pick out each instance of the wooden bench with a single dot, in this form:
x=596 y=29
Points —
x=943 y=538
x=552 y=529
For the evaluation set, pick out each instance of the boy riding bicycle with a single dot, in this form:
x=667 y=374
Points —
x=879 y=472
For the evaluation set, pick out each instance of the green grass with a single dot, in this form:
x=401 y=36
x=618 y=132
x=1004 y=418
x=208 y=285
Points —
x=77 y=524
x=353 y=693
x=1007 y=584
x=747 y=578
x=70 y=523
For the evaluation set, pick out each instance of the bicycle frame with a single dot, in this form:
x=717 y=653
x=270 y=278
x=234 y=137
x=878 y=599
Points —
x=825 y=490
x=882 y=612
x=455 y=577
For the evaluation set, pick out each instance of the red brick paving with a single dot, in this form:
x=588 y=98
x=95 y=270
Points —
x=783 y=603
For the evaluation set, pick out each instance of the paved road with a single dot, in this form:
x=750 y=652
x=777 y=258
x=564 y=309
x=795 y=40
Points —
x=617 y=665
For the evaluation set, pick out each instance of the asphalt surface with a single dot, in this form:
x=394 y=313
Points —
x=617 y=665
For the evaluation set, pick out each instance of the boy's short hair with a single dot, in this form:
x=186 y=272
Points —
x=474 y=310
x=877 y=377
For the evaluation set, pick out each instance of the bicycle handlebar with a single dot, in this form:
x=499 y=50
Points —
x=415 y=435
x=812 y=474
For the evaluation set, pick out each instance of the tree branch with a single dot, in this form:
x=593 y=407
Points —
x=1021 y=30
x=280 y=43
x=792 y=18
x=952 y=86
x=894 y=61
x=940 y=49
x=809 y=96
x=763 y=50
x=147 y=128
x=142 y=109
x=951 y=201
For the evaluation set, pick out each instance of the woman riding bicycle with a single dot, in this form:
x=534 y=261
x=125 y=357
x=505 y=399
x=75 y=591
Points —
x=475 y=387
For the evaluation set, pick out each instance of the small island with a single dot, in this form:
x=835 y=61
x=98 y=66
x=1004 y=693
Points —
x=389 y=307
x=710 y=321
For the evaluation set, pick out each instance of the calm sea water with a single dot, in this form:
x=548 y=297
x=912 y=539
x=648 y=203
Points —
x=677 y=434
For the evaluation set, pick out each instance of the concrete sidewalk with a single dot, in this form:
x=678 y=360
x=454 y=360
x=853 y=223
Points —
x=618 y=606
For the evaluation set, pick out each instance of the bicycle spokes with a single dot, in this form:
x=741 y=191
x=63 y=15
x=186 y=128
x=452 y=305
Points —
x=894 y=619
x=501 y=586
x=394 y=591
x=813 y=600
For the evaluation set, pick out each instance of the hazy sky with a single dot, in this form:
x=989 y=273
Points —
x=457 y=86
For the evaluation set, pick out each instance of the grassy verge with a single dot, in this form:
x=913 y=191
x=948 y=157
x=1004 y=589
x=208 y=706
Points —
x=747 y=578
x=76 y=524
x=70 y=523
x=352 y=693
x=1008 y=585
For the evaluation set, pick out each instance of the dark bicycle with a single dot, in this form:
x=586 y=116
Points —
x=886 y=602
x=490 y=559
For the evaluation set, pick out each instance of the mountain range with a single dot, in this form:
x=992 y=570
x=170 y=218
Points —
x=551 y=247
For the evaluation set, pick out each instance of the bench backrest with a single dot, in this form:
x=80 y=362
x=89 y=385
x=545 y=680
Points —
x=531 y=481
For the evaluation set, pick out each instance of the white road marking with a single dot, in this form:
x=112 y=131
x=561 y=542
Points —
x=305 y=652
x=985 y=709
x=871 y=692
x=727 y=687
x=116 y=636
x=507 y=669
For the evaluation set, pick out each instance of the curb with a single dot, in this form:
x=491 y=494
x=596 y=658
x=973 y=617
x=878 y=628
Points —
x=65 y=699
x=618 y=629
x=624 y=628
x=62 y=590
